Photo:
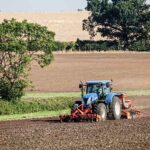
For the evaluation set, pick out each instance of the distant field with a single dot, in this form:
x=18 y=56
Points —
x=66 y=25
x=129 y=71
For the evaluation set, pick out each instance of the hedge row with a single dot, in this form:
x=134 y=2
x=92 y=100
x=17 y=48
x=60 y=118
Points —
x=61 y=46
x=141 y=45
x=88 y=45
x=35 y=105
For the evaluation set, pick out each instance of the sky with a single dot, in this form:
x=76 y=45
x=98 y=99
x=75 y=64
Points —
x=42 y=5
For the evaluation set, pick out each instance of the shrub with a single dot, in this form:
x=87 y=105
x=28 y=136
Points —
x=87 y=45
x=6 y=108
x=12 y=92
x=141 y=45
x=35 y=105
x=70 y=46
x=59 y=46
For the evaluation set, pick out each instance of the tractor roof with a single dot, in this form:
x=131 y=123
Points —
x=98 y=81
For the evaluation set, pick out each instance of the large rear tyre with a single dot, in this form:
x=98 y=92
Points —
x=116 y=108
x=101 y=110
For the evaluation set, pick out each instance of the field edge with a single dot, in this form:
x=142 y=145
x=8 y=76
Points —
x=42 y=114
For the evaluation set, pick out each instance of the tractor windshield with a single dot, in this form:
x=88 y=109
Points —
x=93 y=88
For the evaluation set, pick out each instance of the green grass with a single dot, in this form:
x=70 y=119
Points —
x=34 y=115
x=49 y=95
x=78 y=94
x=36 y=105
x=138 y=93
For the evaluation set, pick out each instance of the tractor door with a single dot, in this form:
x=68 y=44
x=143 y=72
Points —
x=105 y=91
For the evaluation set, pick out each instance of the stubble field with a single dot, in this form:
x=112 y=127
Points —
x=66 y=25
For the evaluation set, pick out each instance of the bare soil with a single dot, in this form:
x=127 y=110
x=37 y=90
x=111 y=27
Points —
x=50 y=134
x=141 y=102
x=129 y=71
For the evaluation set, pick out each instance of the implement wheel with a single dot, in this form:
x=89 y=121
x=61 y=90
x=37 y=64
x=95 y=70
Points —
x=101 y=110
x=116 y=108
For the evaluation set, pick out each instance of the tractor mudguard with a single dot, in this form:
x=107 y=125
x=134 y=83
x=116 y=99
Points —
x=110 y=96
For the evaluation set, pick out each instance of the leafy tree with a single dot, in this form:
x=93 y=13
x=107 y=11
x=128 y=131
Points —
x=21 y=43
x=125 y=21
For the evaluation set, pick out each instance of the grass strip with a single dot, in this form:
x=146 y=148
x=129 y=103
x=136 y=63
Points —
x=42 y=114
x=36 y=105
x=138 y=93
x=78 y=94
x=49 y=95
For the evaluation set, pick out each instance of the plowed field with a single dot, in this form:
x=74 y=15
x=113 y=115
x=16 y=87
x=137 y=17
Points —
x=130 y=71
x=51 y=135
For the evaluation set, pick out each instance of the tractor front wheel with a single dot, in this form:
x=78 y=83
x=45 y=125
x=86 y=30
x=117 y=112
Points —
x=116 y=108
x=101 y=110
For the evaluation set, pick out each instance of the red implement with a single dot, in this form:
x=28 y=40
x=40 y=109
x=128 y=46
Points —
x=128 y=110
x=80 y=114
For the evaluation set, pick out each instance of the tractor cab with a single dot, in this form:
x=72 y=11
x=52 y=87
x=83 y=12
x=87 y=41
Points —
x=99 y=87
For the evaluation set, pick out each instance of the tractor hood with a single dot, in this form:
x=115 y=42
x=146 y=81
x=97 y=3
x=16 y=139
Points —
x=89 y=99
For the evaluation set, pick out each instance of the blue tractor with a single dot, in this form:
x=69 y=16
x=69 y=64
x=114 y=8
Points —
x=98 y=102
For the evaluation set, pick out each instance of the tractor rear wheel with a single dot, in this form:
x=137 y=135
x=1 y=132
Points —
x=101 y=110
x=116 y=108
